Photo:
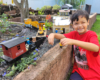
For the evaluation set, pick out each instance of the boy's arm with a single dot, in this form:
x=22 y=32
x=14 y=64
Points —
x=54 y=35
x=85 y=45
x=58 y=36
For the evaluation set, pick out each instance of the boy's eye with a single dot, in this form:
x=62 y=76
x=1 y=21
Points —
x=76 y=23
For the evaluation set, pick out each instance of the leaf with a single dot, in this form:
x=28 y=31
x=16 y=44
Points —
x=34 y=63
x=13 y=67
x=11 y=73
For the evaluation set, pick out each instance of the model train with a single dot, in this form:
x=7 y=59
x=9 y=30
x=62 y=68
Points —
x=36 y=24
x=14 y=48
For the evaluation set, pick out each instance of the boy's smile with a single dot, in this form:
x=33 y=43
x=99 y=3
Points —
x=81 y=25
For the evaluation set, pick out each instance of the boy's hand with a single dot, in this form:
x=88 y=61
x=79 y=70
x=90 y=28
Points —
x=66 y=41
x=51 y=39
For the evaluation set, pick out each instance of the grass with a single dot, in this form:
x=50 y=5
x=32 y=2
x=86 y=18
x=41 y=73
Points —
x=96 y=27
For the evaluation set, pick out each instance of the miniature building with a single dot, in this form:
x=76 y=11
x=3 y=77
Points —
x=64 y=12
x=67 y=7
x=61 y=24
x=72 y=11
x=13 y=48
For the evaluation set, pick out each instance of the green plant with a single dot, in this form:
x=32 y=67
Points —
x=75 y=3
x=96 y=27
x=40 y=12
x=10 y=30
x=32 y=13
x=1 y=53
x=23 y=63
x=56 y=7
x=43 y=8
x=0 y=8
x=4 y=23
x=3 y=30
x=38 y=9
x=48 y=24
x=1 y=2
x=48 y=7
x=12 y=72
x=58 y=13
x=0 y=23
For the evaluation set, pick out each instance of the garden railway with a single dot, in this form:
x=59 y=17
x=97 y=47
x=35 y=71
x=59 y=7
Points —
x=27 y=42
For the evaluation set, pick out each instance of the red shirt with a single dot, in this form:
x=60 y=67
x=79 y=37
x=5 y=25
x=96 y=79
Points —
x=87 y=63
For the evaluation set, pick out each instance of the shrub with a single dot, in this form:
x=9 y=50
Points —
x=1 y=3
x=43 y=8
x=32 y=13
x=48 y=24
x=4 y=23
x=48 y=7
x=56 y=7
x=40 y=12
x=38 y=9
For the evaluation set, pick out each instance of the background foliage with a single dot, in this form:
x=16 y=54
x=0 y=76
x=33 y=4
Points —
x=4 y=23
x=75 y=3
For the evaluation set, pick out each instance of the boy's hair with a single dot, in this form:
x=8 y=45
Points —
x=76 y=15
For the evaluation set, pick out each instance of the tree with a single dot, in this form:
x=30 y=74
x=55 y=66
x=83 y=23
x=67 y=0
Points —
x=23 y=7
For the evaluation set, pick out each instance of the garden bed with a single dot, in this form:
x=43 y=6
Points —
x=52 y=64
x=20 y=31
x=33 y=17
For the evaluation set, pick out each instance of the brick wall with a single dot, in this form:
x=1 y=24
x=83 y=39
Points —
x=54 y=65
x=92 y=19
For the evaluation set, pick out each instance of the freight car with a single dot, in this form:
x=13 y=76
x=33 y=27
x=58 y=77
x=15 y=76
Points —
x=29 y=23
x=35 y=24
x=14 y=48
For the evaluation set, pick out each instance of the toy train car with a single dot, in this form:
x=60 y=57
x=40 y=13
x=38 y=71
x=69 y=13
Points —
x=36 y=24
x=14 y=48
x=29 y=23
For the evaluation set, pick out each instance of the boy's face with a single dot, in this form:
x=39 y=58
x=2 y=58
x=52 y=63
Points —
x=81 y=25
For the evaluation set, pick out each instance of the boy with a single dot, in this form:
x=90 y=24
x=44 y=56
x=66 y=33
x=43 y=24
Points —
x=86 y=47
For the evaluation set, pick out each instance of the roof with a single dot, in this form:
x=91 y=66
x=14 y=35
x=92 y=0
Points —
x=69 y=5
x=66 y=6
x=13 y=42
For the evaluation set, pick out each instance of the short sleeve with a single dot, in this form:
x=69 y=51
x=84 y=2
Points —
x=70 y=34
x=94 y=39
